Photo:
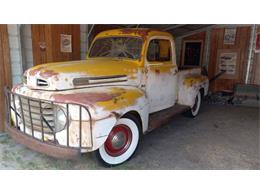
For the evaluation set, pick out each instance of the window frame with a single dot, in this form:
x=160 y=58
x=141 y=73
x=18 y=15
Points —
x=93 y=42
x=172 y=50
x=182 y=65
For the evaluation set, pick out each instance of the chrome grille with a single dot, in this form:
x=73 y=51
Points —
x=38 y=116
x=34 y=119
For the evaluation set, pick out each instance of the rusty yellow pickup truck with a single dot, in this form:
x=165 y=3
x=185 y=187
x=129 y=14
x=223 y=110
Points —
x=128 y=85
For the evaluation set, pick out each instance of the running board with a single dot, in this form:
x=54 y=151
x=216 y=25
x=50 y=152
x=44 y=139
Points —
x=160 y=118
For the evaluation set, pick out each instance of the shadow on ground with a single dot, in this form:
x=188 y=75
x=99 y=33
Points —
x=221 y=137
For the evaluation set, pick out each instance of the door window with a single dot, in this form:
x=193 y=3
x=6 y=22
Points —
x=159 y=50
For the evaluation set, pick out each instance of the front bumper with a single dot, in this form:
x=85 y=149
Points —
x=43 y=147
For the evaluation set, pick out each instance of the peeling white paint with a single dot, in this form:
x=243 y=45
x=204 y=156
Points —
x=158 y=85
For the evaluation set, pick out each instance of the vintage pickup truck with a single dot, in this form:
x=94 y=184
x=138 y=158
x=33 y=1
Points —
x=128 y=85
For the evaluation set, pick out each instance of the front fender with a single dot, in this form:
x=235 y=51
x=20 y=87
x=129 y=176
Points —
x=129 y=99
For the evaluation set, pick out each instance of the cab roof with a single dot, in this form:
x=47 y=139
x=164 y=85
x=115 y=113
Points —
x=141 y=32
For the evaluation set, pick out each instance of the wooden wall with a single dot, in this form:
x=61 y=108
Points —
x=241 y=44
x=5 y=71
x=46 y=43
x=256 y=66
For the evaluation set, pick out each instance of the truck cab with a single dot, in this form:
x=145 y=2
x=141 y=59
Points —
x=128 y=85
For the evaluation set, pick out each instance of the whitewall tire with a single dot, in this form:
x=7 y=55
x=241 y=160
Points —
x=194 y=111
x=121 y=143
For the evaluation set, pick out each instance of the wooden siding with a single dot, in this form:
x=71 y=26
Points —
x=241 y=44
x=49 y=35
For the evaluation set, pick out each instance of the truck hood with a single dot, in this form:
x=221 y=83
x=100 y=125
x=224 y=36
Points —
x=85 y=73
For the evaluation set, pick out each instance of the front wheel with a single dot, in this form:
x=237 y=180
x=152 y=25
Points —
x=121 y=142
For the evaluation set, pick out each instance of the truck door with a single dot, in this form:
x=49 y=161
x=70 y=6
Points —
x=161 y=78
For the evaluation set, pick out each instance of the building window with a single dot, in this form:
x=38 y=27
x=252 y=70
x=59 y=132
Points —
x=192 y=53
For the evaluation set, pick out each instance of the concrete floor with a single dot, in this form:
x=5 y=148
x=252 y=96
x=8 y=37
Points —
x=221 y=137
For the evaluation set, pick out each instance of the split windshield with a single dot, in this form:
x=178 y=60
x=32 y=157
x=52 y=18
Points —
x=117 y=47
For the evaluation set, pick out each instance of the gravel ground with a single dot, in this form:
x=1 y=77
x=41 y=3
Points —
x=221 y=137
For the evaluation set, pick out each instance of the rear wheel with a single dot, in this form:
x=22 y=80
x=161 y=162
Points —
x=121 y=142
x=194 y=111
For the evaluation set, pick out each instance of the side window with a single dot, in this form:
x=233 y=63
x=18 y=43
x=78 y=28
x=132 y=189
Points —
x=159 y=50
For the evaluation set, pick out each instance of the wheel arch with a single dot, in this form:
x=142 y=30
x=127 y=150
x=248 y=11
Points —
x=136 y=115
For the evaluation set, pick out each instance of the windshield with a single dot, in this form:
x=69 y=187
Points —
x=117 y=47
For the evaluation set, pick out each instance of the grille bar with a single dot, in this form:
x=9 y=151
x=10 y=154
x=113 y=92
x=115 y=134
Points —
x=15 y=111
x=30 y=117
x=22 y=113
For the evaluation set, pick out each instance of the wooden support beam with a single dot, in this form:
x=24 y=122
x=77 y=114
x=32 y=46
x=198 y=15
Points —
x=5 y=70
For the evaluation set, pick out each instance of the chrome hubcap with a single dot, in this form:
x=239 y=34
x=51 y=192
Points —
x=119 y=140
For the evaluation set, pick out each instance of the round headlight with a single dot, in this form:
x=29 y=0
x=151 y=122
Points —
x=60 y=119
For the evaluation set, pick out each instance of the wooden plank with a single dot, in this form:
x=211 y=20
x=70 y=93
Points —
x=38 y=40
x=213 y=55
x=76 y=41
x=160 y=118
x=5 y=70
x=1 y=81
x=48 y=39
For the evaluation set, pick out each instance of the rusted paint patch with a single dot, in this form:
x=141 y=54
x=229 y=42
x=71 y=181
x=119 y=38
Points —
x=126 y=98
x=15 y=87
x=190 y=81
x=84 y=98
x=117 y=115
x=111 y=100
x=48 y=73
x=35 y=70
x=140 y=32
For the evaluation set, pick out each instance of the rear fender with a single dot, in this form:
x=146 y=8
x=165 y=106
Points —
x=189 y=88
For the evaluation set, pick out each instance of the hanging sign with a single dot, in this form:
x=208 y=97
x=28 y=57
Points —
x=65 y=43
x=228 y=61
x=230 y=36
